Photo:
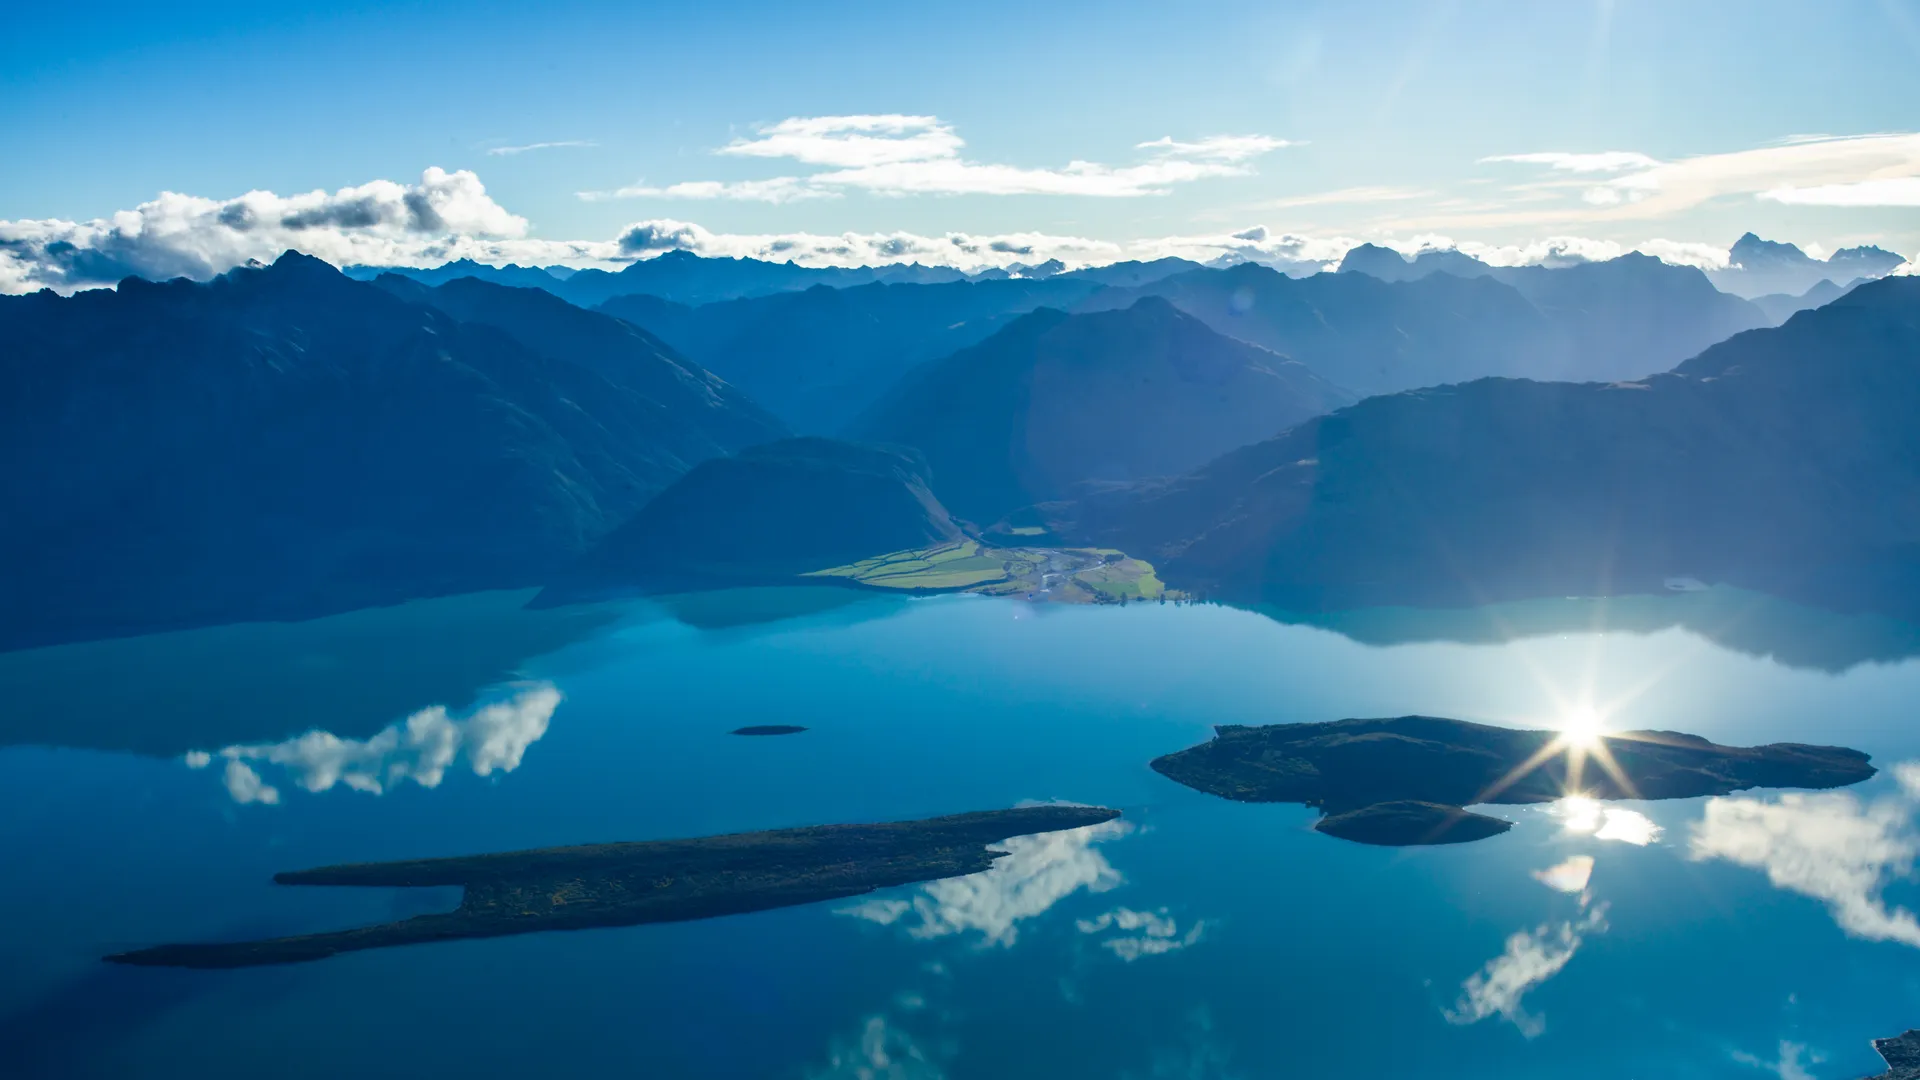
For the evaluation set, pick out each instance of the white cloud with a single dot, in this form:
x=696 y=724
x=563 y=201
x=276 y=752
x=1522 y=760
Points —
x=780 y=189
x=509 y=151
x=246 y=786
x=1830 y=847
x=851 y=142
x=178 y=235
x=1143 y=933
x=1900 y=191
x=1604 y=161
x=1616 y=186
x=421 y=748
x=1683 y=253
x=1217 y=147
x=893 y=154
x=1530 y=958
x=1037 y=873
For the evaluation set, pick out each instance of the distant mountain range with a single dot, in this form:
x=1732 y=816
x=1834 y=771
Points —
x=685 y=278
x=1597 y=321
x=1782 y=459
x=283 y=442
x=1759 y=267
x=819 y=357
x=1755 y=268
x=1055 y=400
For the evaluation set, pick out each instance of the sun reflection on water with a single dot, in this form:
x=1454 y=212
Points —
x=1584 y=815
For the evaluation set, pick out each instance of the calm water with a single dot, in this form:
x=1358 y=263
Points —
x=1743 y=937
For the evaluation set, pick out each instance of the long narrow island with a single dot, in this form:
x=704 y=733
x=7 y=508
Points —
x=600 y=885
x=1405 y=781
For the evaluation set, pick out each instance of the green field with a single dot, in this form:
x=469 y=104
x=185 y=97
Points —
x=950 y=566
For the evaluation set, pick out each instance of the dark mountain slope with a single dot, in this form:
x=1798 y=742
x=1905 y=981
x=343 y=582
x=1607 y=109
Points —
x=702 y=405
x=285 y=442
x=1133 y=274
x=1782 y=459
x=770 y=512
x=1056 y=399
x=818 y=358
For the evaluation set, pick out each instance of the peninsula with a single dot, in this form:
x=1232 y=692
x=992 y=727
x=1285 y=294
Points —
x=623 y=884
x=1405 y=780
x=1902 y=1055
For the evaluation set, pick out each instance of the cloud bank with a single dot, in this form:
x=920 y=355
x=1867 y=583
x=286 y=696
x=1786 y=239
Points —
x=895 y=155
x=449 y=215
x=178 y=235
x=421 y=748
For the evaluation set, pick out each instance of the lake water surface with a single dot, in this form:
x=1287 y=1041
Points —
x=1766 y=934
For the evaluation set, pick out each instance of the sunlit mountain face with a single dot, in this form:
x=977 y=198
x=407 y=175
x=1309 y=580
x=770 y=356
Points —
x=1076 y=541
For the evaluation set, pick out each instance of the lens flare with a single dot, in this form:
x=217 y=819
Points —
x=1582 y=727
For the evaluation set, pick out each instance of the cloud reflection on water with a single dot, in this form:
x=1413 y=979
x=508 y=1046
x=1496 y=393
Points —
x=1143 y=933
x=1788 y=1065
x=1530 y=958
x=1570 y=876
x=1037 y=873
x=420 y=748
x=881 y=1051
x=1830 y=846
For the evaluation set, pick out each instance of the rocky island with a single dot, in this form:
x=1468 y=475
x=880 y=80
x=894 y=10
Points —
x=1405 y=780
x=623 y=884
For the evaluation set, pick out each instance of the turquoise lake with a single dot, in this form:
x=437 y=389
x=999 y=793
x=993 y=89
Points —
x=150 y=788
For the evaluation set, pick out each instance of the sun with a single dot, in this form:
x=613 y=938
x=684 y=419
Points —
x=1582 y=727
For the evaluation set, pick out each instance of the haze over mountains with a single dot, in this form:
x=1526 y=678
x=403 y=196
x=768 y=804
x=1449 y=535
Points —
x=1781 y=459
x=286 y=441
x=1055 y=400
x=1755 y=267
x=820 y=357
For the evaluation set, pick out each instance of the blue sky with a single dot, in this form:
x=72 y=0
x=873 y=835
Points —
x=1388 y=112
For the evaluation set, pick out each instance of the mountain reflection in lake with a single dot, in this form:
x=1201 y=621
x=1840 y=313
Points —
x=1194 y=936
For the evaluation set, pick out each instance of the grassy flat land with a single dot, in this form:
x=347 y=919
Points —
x=1122 y=579
x=949 y=566
x=1073 y=575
